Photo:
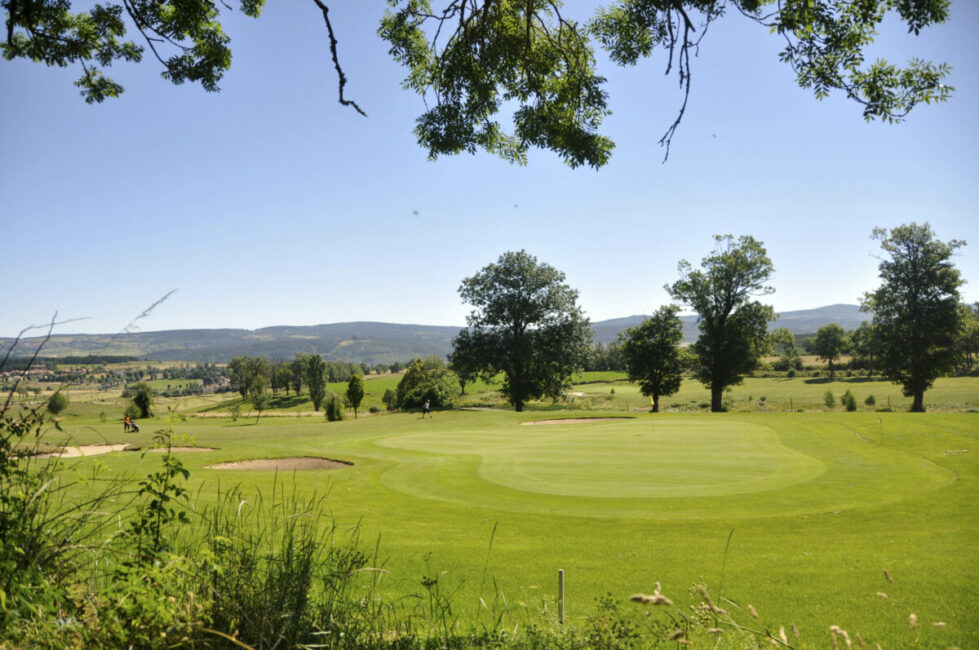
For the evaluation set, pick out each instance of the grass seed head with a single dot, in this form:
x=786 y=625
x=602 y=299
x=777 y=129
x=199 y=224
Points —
x=887 y=576
x=715 y=630
x=837 y=630
x=677 y=635
x=913 y=620
x=782 y=636
x=881 y=594
x=939 y=623
x=795 y=631
x=753 y=612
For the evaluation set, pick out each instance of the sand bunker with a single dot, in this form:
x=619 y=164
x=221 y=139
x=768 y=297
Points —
x=84 y=450
x=163 y=449
x=283 y=464
x=574 y=420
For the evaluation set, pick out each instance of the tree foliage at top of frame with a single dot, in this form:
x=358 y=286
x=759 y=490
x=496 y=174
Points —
x=476 y=61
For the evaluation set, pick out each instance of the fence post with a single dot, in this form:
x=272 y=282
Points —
x=560 y=596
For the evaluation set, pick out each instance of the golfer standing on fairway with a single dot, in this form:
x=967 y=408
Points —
x=425 y=410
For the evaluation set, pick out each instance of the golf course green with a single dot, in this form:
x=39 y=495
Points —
x=797 y=514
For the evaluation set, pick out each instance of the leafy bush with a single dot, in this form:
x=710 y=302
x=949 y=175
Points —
x=870 y=401
x=429 y=380
x=57 y=403
x=334 y=408
x=390 y=399
x=849 y=401
x=143 y=400
x=829 y=400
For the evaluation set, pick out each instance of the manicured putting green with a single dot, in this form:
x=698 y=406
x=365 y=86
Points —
x=679 y=467
x=668 y=458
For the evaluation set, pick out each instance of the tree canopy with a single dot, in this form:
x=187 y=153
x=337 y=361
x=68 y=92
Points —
x=830 y=342
x=526 y=324
x=355 y=392
x=917 y=317
x=426 y=380
x=652 y=353
x=474 y=61
x=733 y=328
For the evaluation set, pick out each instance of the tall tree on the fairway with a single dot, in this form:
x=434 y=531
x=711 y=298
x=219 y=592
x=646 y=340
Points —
x=916 y=308
x=652 y=353
x=355 y=392
x=733 y=328
x=316 y=379
x=526 y=324
x=830 y=342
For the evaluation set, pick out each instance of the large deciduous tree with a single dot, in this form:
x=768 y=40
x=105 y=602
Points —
x=475 y=60
x=652 y=353
x=733 y=327
x=830 y=342
x=916 y=308
x=526 y=324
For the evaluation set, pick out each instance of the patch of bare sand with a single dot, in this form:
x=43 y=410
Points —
x=84 y=450
x=573 y=421
x=283 y=464
x=160 y=450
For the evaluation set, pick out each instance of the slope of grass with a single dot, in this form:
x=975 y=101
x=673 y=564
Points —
x=819 y=504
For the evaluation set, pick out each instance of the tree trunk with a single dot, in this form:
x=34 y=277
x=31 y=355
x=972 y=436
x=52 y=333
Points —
x=655 y=403
x=918 y=405
x=716 y=401
x=517 y=405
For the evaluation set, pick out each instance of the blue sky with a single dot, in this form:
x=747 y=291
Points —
x=270 y=204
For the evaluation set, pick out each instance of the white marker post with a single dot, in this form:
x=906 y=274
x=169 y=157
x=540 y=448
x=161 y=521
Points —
x=560 y=596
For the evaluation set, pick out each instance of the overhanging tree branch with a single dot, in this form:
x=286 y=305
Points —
x=342 y=78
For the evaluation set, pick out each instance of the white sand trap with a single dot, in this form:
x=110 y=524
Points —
x=160 y=450
x=84 y=450
x=573 y=421
x=282 y=464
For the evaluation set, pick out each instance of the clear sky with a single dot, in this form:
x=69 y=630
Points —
x=270 y=204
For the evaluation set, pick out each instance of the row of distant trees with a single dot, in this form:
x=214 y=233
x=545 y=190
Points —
x=526 y=324
x=832 y=342
x=306 y=372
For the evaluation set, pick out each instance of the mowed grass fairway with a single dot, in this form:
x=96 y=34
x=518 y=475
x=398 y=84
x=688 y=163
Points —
x=820 y=504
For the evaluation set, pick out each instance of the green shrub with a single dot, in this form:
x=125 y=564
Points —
x=870 y=401
x=828 y=399
x=57 y=403
x=334 y=408
x=143 y=400
x=791 y=373
x=849 y=401
x=430 y=381
x=390 y=399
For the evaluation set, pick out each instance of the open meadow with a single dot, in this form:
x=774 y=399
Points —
x=813 y=518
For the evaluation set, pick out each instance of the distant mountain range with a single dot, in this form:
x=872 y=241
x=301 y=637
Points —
x=803 y=321
x=363 y=342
